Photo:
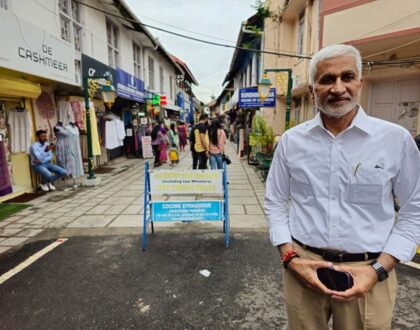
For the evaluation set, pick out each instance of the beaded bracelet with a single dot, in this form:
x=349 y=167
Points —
x=287 y=258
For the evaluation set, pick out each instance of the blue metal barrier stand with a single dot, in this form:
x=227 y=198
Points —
x=146 y=201
x=226 y=217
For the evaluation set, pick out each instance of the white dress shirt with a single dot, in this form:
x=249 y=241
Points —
x=335 y=192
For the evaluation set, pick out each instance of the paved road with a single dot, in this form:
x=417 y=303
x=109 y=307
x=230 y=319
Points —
x=107 y=282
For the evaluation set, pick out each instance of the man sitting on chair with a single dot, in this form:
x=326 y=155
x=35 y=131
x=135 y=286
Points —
x=41 y=156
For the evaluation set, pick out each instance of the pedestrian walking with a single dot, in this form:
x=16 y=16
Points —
x=192 y=148
x=157 y=139
x=217 y=144
x=41 y=156
x=329 y=204
x=173 y=137
x=182 y=134
x=163 y=145
x=201 y=136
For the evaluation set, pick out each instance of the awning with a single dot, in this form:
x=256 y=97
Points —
x=15 y=87
x=172 y=107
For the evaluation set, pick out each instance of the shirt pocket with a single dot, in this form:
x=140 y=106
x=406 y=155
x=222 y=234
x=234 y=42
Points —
x=366 y=186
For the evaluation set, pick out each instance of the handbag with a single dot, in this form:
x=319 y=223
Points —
x=226 y=159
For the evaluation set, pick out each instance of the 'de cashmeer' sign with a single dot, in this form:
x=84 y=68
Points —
x=186 y=182
x=27 y=48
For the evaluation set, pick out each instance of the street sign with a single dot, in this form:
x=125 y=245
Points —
x=129 y=87
x=168 y=182
x=248 y=98
x=187 y=211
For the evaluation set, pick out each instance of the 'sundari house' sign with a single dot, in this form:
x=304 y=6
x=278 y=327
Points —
x=29 y=49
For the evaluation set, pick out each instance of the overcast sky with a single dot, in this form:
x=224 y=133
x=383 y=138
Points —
x=220 y=19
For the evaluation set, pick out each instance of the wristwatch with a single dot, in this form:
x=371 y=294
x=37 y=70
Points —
x=380 y=270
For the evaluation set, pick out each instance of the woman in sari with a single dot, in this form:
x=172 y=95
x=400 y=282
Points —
x=163 y=146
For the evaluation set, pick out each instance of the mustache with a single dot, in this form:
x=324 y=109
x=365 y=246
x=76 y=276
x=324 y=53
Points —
x=339 y=98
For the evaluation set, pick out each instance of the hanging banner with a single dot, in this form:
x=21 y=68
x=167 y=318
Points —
x=146 y=146
x=186 y=182
x=29 y=49
x=248 y=98
x=129 y=87
x=187 y=211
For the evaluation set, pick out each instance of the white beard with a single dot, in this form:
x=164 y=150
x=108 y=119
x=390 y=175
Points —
x=336 y=112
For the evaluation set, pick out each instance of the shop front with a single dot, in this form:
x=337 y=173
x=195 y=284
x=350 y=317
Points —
x=26 y=98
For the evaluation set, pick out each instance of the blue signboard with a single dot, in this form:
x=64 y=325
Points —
x=187 y=211
x=129 y=87
x=248 y=98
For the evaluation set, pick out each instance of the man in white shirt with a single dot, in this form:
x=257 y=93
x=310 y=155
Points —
x=329 y=202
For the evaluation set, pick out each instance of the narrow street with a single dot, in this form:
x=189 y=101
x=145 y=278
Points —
x=100 y=278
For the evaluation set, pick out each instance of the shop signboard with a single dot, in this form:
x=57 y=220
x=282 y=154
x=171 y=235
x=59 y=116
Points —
x=29 y=49
x=146 y=146
x=186 y=182
x=248 y=98
x=187 y=211
x=92 y=67
x=129 y=87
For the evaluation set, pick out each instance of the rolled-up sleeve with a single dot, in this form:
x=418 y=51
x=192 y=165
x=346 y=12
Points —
x=405 y=236
x=277 y=197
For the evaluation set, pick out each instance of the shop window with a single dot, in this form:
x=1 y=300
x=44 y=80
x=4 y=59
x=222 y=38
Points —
x=151 y=73
x=71 y=22
x=136 y=60
x=161 y=80
x=4 y=4
x=112 y=33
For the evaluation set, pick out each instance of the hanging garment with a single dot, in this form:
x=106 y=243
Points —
x=65 y=113
x=20 y=131
x=120 y=131
x=5 y=183
x=45 y=112
x=77 y=110
x=75 y=151
x=63 y=152
x=111 y=136
x=96 y=146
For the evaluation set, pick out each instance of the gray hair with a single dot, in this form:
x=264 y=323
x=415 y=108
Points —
x=332 y=51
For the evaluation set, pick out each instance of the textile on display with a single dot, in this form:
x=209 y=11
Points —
x=45 y=112
x=96 y=146
x=75 y=151
x=64 y=157
x=20 y=130
x=65 y=112
x=78 y=113
x=114 y=132
x=5 y=183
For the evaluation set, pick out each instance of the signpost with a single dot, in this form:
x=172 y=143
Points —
x=249 y=98
x=172 y=182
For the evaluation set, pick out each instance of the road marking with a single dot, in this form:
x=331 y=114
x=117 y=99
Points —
x=412 y=264
x=31 y=260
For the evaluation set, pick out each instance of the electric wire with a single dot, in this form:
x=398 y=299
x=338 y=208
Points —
x=193 y=38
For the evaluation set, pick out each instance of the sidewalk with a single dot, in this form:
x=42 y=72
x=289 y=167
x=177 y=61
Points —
x=117 y=203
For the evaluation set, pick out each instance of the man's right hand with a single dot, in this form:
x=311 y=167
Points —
x=305 y=272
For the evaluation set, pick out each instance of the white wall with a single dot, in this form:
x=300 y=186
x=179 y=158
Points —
x=168 y=70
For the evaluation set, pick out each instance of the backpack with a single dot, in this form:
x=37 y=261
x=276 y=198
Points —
x=192 y=136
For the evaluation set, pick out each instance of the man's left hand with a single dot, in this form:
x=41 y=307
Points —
x=364 y=278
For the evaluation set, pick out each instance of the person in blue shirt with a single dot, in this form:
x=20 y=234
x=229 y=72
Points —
x=41 y=155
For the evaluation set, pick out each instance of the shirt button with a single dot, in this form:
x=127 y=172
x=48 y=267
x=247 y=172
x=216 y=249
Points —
x=333 y=197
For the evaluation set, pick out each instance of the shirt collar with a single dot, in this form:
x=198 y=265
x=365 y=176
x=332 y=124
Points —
x=361 y=121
